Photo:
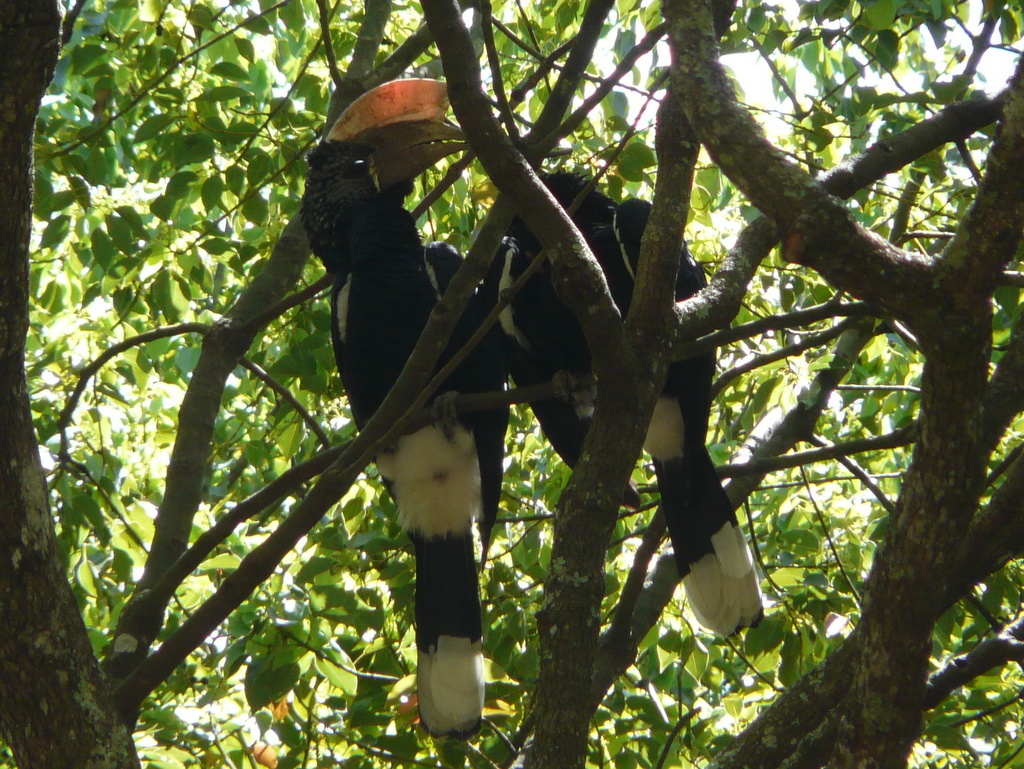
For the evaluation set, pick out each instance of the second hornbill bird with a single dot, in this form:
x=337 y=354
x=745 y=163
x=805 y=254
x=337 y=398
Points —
x=543 y=339
x=448 y=474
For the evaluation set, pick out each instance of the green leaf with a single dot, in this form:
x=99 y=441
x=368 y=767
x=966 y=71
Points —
x=880 y=14
x=169 y=297
x=338 y=676
x=255 y=210
x=55 y=231
x=153 y=127
x=261 y=165
x=163 y=207
x=224 y=93
x=245 y=47
x=180 y=184
x=634 y=160
x=150 y=10
x=81 y=191
x=888 y=48
x=217 y=246
x=212 y=190
x=235 y=177
x=201 y=16
x=229 y=70
x=102 y=247
x=226 y=561
x=193 y=148
x=313 y=567
x=266 y=682
x=120 y=232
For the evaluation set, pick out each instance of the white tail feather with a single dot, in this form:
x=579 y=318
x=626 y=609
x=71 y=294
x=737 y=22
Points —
x=732 y=551
x=722 y=587
x=450 y=686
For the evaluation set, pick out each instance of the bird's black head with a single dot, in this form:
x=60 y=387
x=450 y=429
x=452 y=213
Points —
x=380 y=143
x=341 y=175
x=595 y=210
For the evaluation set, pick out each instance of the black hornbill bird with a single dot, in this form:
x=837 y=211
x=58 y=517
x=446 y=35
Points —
x=448 y=474
x=543 y=339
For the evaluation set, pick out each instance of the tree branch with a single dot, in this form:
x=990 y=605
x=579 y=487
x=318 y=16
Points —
x=618 y=644
x=1004 y=398
x=324 y=17
x=581 y=113
x=714 y=307
x=757 y=747
x=55 y=708
x=580 y=57
x=574 y=586
x=816 y=229
x=782 y=322
x=807 y=343
x=761 y=465
x=990 y=234
x=945 y=473
x=262 y=319
x=261 y=373
x=223 y=347
x=1007 y=646
x=68 y=26
x=87 y=373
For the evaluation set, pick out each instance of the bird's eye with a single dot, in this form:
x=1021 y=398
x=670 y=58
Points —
x=356 y=168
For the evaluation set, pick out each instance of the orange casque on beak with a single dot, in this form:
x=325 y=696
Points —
x=403 y=121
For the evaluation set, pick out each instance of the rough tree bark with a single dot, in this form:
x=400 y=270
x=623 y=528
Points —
x=884 y=708
x=142 y=619
x=55 y=709
x=946 y=303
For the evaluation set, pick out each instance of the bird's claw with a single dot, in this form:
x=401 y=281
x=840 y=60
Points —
x=445 y=413
x=578 y=389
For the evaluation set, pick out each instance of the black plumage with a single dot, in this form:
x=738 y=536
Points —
x=542 y=338
x=443 y=476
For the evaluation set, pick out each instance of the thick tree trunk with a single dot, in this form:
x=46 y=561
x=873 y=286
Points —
x=55 y=710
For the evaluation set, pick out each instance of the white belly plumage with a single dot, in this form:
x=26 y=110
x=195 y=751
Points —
x=665 y=432
x=435 y=481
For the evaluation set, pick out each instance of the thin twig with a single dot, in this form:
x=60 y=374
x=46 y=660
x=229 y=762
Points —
x=828 y=537
x=750 y=666
x=799 y=112
x=324 y=17
x=67 y=27
x=757 y=552
x=494 y=63
x=451 y=176
x=858 y=473
x=1005 y=464
x=785 y=321
x=895 y=439
x=144 y=92
x=87 y=373
x=809 y=342
x=574 y=120
x=293 y=300
x=261 y=373
x=918 y=234
x=680 y=725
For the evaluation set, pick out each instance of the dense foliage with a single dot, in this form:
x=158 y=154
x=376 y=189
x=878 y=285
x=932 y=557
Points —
x=169 y=164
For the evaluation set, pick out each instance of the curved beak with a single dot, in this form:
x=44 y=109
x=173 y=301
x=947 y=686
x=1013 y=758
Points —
x=403 y=121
